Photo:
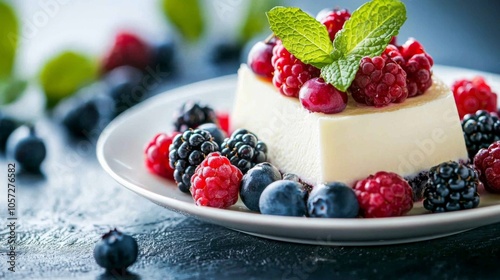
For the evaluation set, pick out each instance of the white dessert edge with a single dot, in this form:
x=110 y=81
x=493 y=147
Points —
x=404 y=138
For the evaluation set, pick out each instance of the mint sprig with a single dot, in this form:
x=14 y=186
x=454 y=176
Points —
x=366 y=33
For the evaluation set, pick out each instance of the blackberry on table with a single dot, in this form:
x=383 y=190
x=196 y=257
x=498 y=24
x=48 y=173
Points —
x=244 y=150
x=192 y=115
x=452 y=186
x=187 y=151
x=480 y=131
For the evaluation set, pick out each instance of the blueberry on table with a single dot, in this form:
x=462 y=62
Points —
x=255 y=181
x=26 y=148
x=7 y=126
x=164 y=57
x=332 y=200
x=283 y=198
x=116 y=251
x=125 y=87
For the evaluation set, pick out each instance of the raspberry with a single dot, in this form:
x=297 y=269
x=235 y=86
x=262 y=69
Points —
x=473 y=95
x=384 y=194
x=417 y=65
x=334 y=20
x=244 y=150
x=289 y=72
x=259 y=58
x=192 y=114
x=318 y=96
x=156 y=155
x=128 y=50
x=452 y=186
x=379 y=82
x=487 y=162
x=480 y=131
x=223 y=119
x=216 y=182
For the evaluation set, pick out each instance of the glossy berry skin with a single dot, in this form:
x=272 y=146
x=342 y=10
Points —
x=480 y=131
x=452 y=186
x=284 y=198
x=333 y=20
x=383 y=194
x=7 y=126
x=215 y=183
x=116 y=251
x=318 y=96
x=473 y=95
x=218 y=134
x=379 y=82
x=27 y=149
x=255 y=181
x=487 y=163
x=289 y=72
x=259 y=59
x=332 y=200
x=244 y=149
x=156 y=155
x=125 y=87
x=128 y=49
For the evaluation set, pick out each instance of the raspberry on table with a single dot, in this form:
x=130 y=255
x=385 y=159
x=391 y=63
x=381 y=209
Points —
x=244 y=150
x=333 y=20
x=193 y=114
x=379 y=82
x=289 y=72
x=487 y=163
x=473 y=95
x=156 y=155
x=216 y=182
x=452 y=186
x=130 y=50
x=383 y=194
x=480 y=131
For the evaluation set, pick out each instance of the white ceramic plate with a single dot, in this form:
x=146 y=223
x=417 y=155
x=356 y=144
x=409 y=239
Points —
x=120 y=152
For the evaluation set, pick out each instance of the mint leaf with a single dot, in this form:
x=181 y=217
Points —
x=255 y=21
x=11 y=90
x=366 y=33
x=302 y=35
x=9 y=27
x=186 y=16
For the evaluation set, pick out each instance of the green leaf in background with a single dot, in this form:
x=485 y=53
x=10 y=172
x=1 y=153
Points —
x=9 y=28
x=11 y=90
x=186 y=16
x=255 y=21
x=302 y=35
x=64 y=74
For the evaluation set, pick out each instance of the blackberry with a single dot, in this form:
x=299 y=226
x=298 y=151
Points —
x=244 y=150
x=418 y=184
x=480 y=131
x=186 y=152
x=192 y=115
x=452 y=186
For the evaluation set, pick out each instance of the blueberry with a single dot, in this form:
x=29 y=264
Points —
x=27 y=149
x=226 y=52
x=164 y=57
x=283 y=198
x=116 y=251
x=7 y=126
x=125 y=87
x=255 y=181
x=332 y=200
x=218 y=134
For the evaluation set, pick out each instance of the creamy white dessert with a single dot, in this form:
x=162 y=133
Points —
x=404 y=138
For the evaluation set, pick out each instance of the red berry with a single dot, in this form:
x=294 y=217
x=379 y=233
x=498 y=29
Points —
x=318 y=96
x=487 y=162
x=259 y=59
x=156 y=155
x=384 y=194
x=417 y=65
x=473 y=95
x=128 y=50
x=334 y=20
x=289 y=72
x=223 y=119
x=379 y=82
x=216 y=182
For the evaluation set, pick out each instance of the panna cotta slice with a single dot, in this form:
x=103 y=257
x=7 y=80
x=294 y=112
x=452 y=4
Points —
x=404 y=138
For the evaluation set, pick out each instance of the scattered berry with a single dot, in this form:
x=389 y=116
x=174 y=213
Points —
x=318 y=96
x=255 y=181
x=480 y=131
x=7 y=126
x=157 y=155
x=283 y=198
x=218 y=134
x=164 y=57
x=384 y=194
x=216 y=182
x=226 y=52
x=191 y=115
x=116 y=251
x=452 y=186
x=259 y=59
x=289 y=72
x=223 y=119
x=379 y=82
x=186 y=152
x=26 y=148
x=125 y=87
x=333 y=200
x=487 y=163
x=333 y=20
x=473 y=95
x=244 y=150
x=130 y=50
